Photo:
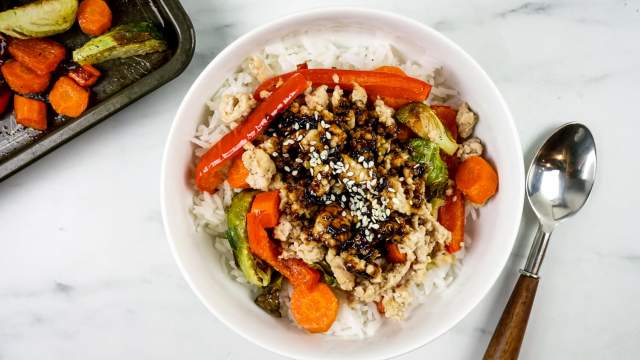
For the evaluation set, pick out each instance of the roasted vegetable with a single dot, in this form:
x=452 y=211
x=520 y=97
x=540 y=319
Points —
x=451 y=216
x=23 y=80
x=39 y=19
x=5 y=97
x=255 y=271
x=68 y=98
x=327 y=275
x=94 y=17
x=120 y=42
x=477 y=179
x=424 y=122
x=269 y=299
x=40 y=55
x=437 y=176
x=30 y=112
x=314 y=308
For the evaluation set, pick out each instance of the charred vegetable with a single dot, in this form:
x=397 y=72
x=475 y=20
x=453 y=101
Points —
x=120 y=42
x=424 y=122
x=254 y=270
x=437 y=176
x=269 y=298
x=327 y=275
x=39 y=19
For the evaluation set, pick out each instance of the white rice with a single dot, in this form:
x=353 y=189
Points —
x=356 y=321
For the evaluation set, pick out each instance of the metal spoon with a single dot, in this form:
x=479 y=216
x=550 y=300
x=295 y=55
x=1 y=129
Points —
x=559 y=182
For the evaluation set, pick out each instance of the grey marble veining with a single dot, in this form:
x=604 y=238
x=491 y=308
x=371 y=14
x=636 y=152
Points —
x=86 y=273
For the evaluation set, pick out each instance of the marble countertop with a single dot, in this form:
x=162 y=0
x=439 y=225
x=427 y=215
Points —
x=86 y=272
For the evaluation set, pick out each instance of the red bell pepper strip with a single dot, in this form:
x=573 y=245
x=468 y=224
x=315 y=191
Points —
x=451 y=216
x=382 y=84
x=208 y=175
x=448 y=117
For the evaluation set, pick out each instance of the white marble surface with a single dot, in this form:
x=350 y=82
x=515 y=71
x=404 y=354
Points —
x=86 y=272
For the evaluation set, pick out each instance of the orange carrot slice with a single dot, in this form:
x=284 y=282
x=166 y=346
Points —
x=477 y=179
x=94 y=17
x=68 y=98
x=238 y=173
x=40 y=55
x=30 y=113
x=266 y=206
x=315 y=309
x=23 y=80
x=451 y=216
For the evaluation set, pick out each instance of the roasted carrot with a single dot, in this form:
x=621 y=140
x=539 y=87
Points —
x=30 y=113
x=448 y=117
x=315 y=309
x=298 y=273
x=266 y=205
x=94 y=17
x=391 y=70
x=68 y=98
x=238 y=173
x=40 y=55
x=380 y=83
x=451 y=216
x=477 y=179
x=23 y=80
x=394 y=255
x=295 y=270
x=5 y=97
x=85 y=75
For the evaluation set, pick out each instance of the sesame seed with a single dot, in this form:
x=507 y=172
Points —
x=294 y=172
x=350 y=173
x=274 y=154
x=287 y=169
x=296 y=126
x=328 y=135
x=319 y=176
x=391 y=190
x=300 y=137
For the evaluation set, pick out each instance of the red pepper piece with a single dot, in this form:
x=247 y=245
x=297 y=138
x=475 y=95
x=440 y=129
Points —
x=219 y=156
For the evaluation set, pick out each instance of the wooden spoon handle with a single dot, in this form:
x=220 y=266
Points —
x=507 y=338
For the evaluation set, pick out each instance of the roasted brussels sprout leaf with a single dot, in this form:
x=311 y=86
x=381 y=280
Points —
x=255 y=271
x=327 y=274
x=39 y=19
x=269 y=299
x=437 y=175
x=424 y=122
x=120 y=42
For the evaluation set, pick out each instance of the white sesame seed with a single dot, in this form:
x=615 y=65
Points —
x=294 y=172
x=361 y=159
x=319 y=176
x=300 y=137
x=350 y=173
x=328 y=135
x=274 y=154
x=343 y=198
x=287 y=169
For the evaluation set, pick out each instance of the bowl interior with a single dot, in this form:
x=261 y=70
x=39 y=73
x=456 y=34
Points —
x=494 y=233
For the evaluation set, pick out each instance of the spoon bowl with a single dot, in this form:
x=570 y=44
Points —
x=562 y=174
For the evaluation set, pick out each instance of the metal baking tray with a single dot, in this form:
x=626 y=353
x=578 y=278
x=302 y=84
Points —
x=123 y=81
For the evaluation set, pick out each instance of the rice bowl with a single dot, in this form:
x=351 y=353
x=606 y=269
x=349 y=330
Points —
x=360 y=322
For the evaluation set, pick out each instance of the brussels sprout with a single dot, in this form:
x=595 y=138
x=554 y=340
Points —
x=269 y=299
x=255 y=271
x=424 y=122
x=39 y=19
x=327 y=274
x=120 y=42
x=437 y=175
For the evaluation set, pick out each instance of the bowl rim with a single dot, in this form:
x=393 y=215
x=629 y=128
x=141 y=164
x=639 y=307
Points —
x=326 y=12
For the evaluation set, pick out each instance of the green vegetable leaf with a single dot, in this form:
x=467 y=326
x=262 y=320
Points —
x=437 y=176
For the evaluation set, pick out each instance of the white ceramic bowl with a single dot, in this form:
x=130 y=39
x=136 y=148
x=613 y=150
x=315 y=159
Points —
x=494 y=233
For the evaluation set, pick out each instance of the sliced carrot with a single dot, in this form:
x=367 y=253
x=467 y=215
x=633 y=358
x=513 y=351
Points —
x=259 y=242
x=68 y=98
x=391 y=70
x=238 y=173
x=40 y=55
x=394 y=255
x=298 y=273
x=85 y=75
x=23 y=80
x=451 y=216
x=295 y=270
x=30 y=113
x=266 y=205
x=477 y=179
x=94 y=17
x=5 y=97
x=448 y=117
x=315 y=309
